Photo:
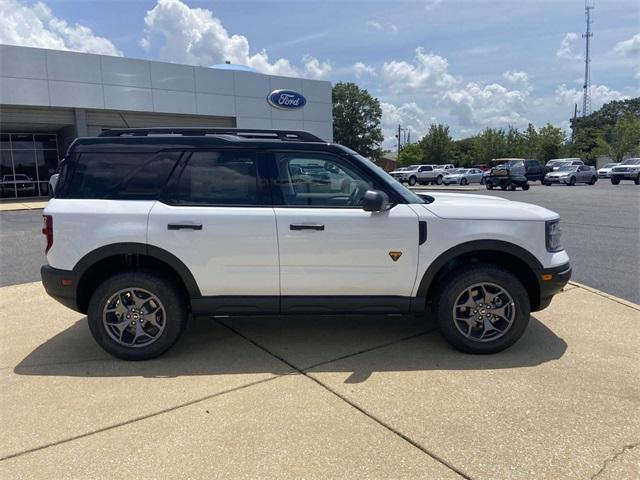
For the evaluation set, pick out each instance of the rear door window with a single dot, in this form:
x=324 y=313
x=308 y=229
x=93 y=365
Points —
x=219 y=178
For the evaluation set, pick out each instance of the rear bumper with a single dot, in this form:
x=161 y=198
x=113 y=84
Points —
x=551 y=281
x=61 y=285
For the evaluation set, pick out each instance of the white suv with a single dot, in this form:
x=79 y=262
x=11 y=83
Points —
x=150 y=226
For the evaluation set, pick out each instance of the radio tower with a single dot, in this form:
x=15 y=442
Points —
x=586 y=88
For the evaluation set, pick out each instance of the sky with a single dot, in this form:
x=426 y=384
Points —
x=469 y=64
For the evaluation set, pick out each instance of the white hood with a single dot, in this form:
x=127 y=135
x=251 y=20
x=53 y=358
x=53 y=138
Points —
x=460 y=206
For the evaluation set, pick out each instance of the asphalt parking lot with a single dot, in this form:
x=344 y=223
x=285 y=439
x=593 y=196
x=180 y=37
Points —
x=601 y=225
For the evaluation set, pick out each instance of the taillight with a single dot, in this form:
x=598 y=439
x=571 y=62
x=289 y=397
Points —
x=47 y=231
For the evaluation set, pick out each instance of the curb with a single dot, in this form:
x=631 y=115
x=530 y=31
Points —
x=608 y=296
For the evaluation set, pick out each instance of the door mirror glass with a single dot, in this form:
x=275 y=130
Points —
x=375 y=201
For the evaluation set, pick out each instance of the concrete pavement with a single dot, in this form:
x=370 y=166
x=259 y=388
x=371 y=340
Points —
x=323 y=397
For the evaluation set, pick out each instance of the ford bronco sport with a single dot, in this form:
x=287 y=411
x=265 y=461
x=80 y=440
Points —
x=151 y=226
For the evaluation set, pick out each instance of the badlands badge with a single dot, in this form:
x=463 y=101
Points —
x=395 y=255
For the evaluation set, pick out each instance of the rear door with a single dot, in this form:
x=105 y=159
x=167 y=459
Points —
x=329 y=247
x=217 y=218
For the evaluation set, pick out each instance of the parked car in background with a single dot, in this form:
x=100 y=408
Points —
x=627 y=170
x=605 y=172
x=507 y=173
x=463 y=176
x=572 y=174
x=555 y=163
x=535 y=171
x=413 y=174
x=17 y=184
x=482 y=166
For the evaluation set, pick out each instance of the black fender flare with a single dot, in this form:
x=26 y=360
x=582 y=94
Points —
x=132 y=248
x=475 y=246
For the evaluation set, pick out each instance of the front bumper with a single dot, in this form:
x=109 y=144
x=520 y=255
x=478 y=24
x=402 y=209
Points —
x=61 y=285
x=551 y=281
x=624 y=175
x=556 y=179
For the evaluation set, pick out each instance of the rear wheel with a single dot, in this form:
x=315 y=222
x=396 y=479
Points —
x=137 y=315
x=482 y=309
x=593 y=180
x=512 y=186
x=525 y=187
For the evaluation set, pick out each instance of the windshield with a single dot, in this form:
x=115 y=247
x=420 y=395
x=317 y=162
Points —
x=567 y=168
x=406 y=194
x=609 y=165
x=631 y=161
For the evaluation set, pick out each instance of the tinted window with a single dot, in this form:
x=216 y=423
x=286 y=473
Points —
x=307 y=179
x=121 y=175
x=218 y=178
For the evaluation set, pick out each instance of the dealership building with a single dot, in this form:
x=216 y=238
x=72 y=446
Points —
x=50 y=97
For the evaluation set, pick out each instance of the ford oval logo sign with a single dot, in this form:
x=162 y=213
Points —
x=286 y=99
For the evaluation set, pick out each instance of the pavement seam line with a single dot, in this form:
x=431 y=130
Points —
x=614 y=457
x=367 y=350
x=349 y=402
x=142 y=417
x=606 y=295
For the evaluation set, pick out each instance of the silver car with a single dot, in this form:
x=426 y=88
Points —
x=572 y=174
x=464 y=176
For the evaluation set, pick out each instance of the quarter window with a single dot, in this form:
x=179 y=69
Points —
x=317 y=180
x=218 y=178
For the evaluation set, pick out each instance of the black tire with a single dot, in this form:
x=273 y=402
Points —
x=489 y=186
x=439 y=180
x=593 y=180
x=412 y=181
x=168 y=292
x=637 y=180
x=512 y=186
x=548 y=184
x=615 y=181
x=464 y=181
x=525 y=187
x=463 y=278
x=572 y=181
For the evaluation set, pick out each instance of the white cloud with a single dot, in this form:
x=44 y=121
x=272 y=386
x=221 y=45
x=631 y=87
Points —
x=35 y=26
x=629 y=47
x=316 y=69
x=478 y=106
x=600 y=94
x=566 y=50
x=427 y=74
x=195 y=36
x=431 y=4
x=518 y=78
x=409 y=115
x=388 y=27
x=361 y=69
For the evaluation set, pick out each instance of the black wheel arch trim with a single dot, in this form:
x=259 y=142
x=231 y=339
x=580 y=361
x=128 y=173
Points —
x=132 y=248
x=475 y=246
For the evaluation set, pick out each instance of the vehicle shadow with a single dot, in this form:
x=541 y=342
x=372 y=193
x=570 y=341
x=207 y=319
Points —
x=357 y=345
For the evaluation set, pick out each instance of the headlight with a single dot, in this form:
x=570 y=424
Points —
x=553 y=234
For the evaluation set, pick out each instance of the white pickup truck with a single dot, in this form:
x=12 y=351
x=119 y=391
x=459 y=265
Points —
x=422 y=174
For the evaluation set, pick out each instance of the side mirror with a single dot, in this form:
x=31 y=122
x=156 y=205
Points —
x=375 y=201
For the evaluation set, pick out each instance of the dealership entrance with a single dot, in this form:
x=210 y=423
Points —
x=27 y=161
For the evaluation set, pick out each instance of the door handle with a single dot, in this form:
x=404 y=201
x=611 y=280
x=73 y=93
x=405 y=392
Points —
x=184 y=226
x=306 y=226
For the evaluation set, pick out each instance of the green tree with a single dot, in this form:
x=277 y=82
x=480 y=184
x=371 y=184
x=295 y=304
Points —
x=410 y=155
x=586 y=144
x=491 y=143
x=624 y=138
x=356 y=119
x=550 y=141
x=437 y=145
x=465 y=151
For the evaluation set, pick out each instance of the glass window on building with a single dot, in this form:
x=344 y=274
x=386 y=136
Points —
x=27 y=162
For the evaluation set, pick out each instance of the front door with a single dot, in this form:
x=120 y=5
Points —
x=329 y=247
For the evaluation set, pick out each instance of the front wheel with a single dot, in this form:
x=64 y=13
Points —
x=593 y=180
x=464 y=181
x=412 y=181
x=137 y=315
x=525 y=187
x=439 y=180
x=572 y=181
x=482 y=309
x=615 y=181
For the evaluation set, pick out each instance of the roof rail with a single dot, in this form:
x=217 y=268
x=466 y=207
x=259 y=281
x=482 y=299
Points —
x=258 y=134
